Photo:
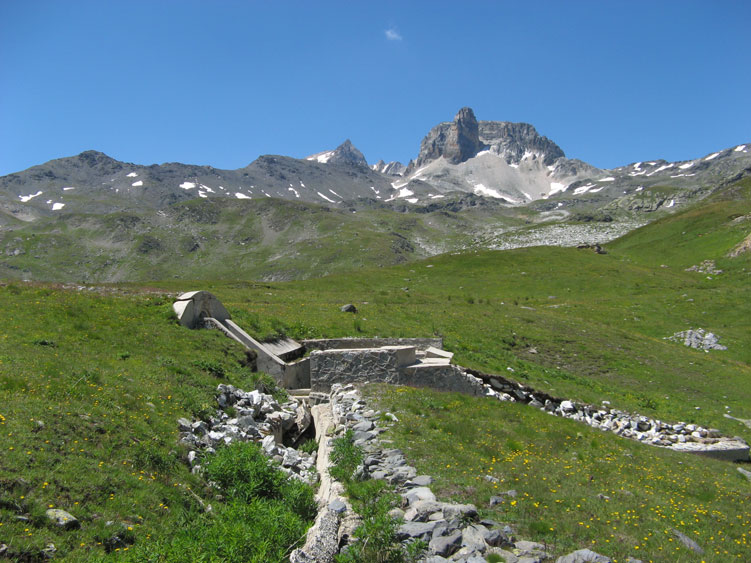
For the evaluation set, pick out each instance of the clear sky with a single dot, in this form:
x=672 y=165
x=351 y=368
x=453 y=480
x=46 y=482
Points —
x=221 y=82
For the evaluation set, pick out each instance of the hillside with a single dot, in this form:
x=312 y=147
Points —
x=93 y=379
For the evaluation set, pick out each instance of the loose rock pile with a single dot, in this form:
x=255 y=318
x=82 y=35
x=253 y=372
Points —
x=706 y=267
x=256 y=417
x=699 y=339
x=683 y=436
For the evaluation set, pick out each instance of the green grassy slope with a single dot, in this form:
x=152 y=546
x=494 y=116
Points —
x=91 y=386
x=231 y=239
x=575 y=486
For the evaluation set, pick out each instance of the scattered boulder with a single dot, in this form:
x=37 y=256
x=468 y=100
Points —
x=349 y=308
x=688 y=542
x=62 y=519
x=706 y=267
x=698 y=339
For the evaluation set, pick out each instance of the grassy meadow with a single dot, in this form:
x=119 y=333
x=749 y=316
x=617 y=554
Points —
x=92 y=382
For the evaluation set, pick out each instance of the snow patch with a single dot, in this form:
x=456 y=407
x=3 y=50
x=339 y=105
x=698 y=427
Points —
x=608 y=179
x=137 y=184
x=323 y=158
x=556 y=187
x=132 y=175
x=412 y=199
x=437 y=196
x=583 y=189
x=687 y=165
x=640 y=188
x=25 y=198
x=301 y=184
x=637 y=165
x=712 y=156
x=480 y=189
x=293 y=190
x=202 y=194
x=595 y=190
x=206 y=188
x=671 y=204
x=660 y=169
x=68 y=188
x=327 y=199
x=57 y=206
x=374 y=190
x=512 y=165
x=240 y=195
x=187 y=185
x=336 y=194
x=397 y=185
x=740 y=148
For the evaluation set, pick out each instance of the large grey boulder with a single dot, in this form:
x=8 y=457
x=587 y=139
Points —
x=62 y=519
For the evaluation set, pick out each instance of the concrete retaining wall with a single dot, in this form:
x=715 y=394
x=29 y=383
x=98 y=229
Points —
x=443 y=378
x=392 y=364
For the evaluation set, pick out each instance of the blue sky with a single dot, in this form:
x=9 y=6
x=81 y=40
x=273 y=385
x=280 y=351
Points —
x=222 y=82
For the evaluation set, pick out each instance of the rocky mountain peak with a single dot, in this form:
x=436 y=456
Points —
x=347 y=153
x=456 y=141
x=463 y=141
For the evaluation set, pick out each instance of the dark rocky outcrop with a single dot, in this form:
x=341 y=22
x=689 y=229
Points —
x=457 y=141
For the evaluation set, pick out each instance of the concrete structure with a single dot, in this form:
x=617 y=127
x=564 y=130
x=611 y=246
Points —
x=420 y=362
x=192 y=307
x=398 y=365
x=407 y=361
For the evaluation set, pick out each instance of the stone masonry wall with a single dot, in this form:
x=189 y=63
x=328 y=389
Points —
x=352 y=366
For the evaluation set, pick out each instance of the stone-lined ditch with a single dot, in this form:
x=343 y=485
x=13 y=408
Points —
x=451 y=531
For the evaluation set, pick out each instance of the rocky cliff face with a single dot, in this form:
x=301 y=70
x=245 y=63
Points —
x=514 y=140
x=465 y=137
x=457 y=141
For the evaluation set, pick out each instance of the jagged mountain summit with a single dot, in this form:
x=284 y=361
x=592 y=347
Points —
x=346 y=153
x=509 y=163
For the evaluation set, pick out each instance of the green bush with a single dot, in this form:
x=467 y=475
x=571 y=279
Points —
x=243 y=473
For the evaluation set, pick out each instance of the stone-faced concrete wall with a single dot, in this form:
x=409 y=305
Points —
x=396 y=365
x=444 y=378
x=356 y=366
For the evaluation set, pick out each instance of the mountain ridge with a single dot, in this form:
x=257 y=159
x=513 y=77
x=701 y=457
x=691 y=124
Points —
x=508 y=162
